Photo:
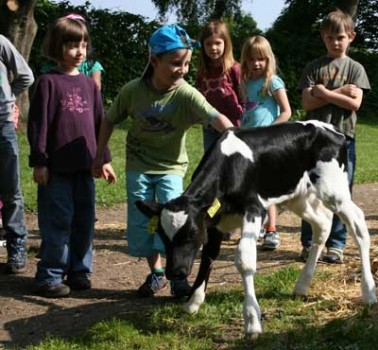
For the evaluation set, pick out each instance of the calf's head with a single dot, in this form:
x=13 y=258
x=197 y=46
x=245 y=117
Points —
x=176 y=225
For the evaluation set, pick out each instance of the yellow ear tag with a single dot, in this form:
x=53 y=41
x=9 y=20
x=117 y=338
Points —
x=214 y=208
x=153 y=224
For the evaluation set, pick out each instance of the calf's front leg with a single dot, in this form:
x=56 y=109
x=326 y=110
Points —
x=246 y=257
x=210 y=253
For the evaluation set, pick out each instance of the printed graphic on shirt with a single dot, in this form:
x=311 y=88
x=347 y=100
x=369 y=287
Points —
x=74 y=102
x=212 y=86
x=333 y=77
x=251 y=105
x=151 y=121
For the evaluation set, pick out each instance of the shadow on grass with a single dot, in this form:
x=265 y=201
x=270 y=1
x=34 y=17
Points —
x=61 y=320
x=283 y=329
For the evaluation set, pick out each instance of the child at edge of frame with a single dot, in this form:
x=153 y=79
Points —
x=15 y=77
x=332 y=88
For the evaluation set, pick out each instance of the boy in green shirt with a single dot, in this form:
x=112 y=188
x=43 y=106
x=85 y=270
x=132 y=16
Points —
x=162 y=106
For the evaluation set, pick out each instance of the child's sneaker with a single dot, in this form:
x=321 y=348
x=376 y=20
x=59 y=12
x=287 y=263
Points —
x=79 y=283
x=180 y=288
x=16 y=251
x=58 y=290
x=271 y=240
x=153 y=283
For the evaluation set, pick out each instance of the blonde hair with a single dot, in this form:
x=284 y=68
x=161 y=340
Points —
x=218 y=29
x=63 y=31
x=337 y=22
x=257 y=46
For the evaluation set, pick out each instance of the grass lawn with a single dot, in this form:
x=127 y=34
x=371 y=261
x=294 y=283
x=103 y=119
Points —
x=289 y=323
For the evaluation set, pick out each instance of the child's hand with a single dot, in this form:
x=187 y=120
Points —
x=108 y=173
x=41 y=175
x=96 y=169
x=350 y=90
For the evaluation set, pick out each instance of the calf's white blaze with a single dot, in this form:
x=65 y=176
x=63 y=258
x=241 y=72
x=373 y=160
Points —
x=232 y=144
x=172 y=221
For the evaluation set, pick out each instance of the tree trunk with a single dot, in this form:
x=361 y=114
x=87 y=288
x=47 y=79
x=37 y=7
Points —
x=219 y=9
x=348 y=6
x=17 y=23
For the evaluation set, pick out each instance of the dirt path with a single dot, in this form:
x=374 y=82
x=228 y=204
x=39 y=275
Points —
x=26 y=318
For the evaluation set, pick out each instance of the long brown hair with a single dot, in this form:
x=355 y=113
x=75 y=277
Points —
x=219 y=29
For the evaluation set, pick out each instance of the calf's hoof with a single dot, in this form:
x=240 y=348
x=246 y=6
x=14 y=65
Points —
x=191 y=308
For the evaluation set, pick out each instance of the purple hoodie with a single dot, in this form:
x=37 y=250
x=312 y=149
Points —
x=64 y=122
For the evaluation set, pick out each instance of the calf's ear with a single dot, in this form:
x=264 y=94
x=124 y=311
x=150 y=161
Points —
x=149 y=209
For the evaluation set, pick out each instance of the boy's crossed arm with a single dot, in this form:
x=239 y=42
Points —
x=348 y=96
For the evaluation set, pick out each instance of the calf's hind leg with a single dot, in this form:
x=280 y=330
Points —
x=314 y=212
x=353 y=218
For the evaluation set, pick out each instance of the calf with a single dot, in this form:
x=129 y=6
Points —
x=301 y=163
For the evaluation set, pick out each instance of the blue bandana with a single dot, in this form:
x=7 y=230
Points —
x=170 y=38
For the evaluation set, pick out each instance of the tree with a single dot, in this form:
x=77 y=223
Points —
x=367 y=25
x=295 y=37
x=348 y=6
x=198 y=11
x=18 y=24
x=118 y=40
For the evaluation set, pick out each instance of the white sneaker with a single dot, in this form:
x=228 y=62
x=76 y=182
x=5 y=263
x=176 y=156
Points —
x=271 y=241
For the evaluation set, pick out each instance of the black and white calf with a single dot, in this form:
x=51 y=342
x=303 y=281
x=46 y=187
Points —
x=301 y=163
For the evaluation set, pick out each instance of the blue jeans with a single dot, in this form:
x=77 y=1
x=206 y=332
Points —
x=161 y=188
x=10 y=189
x=66 y=214
x=337 y=237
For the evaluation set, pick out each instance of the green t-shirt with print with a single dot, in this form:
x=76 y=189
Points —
x=334 y=73
x=156 y=139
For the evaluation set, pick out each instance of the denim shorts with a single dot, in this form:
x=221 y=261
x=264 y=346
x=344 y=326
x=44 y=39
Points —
x=161 y=188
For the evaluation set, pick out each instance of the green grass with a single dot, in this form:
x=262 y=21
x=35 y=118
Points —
x=367 y=158
x=288 y=322
x=108 y=195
